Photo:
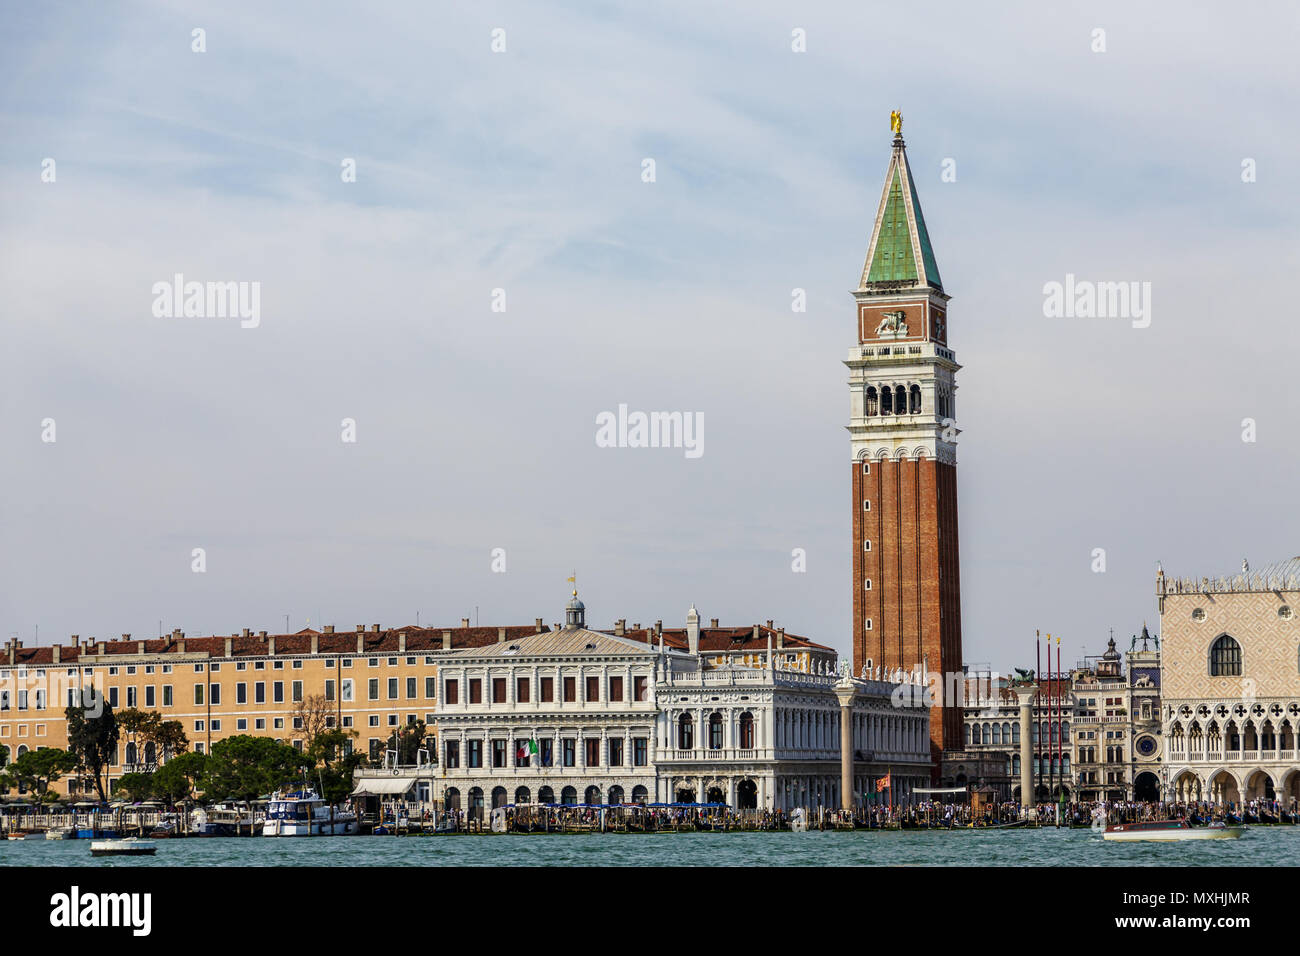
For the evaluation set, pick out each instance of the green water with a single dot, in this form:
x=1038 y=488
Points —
x=1262 y=846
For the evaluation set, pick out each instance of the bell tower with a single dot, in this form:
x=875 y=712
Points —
x=903 y=436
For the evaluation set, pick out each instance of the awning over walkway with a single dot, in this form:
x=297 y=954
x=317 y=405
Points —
x=382 y=786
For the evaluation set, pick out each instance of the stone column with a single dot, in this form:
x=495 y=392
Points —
x=844 y=691
x=1025 y=694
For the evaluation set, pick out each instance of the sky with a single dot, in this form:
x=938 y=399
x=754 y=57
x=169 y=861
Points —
x=1162 y=150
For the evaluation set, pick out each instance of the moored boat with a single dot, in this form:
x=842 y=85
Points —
x=131 y=846
x=1169 y=830
x=304 y=813
x=61 y=833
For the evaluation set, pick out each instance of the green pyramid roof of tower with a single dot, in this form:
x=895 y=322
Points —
x=894 y=259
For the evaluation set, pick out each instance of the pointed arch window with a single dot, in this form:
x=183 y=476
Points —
x=1225 y=657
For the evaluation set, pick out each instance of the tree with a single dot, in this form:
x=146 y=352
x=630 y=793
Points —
x=176 y=779
x=407 y=741
x=170 y=739
x=312 y=718
x=139 y=727
x=134 y=786
x=332 y=754
x=92 y=739
x=245 y=768
x=37 y=770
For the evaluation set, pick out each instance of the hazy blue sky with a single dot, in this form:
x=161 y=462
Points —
x=522 y=170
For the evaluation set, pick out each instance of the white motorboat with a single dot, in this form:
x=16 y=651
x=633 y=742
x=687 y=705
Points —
x=131 y=846
x=305 y=813
x=1168 y=830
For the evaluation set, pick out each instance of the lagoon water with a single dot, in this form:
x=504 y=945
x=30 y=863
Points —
x=1262 y=846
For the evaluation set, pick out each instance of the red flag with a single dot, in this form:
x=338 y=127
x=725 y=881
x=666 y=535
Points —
x=884 y=782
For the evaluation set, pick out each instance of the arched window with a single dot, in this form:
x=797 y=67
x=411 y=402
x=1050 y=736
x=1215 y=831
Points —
x=592 y=796
x=746 y=731
x=997 y=735
x=685 y=732
x=873 y=400
x=521 y=795
x=967 y=729
x=130 y=754
x=569 y=796
x=1015 y=733
x=715 y=732
x=1006 y=733
x=985 y=734
x=546 y=795
x=886 y=401
x=900 y=401
x=1225 y=657
x=639 y=794
x=914 y=406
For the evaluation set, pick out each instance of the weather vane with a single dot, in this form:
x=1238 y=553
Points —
x=896 y=123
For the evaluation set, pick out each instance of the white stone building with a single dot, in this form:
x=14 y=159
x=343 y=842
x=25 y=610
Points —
x=1230 y=684
x=584 y=700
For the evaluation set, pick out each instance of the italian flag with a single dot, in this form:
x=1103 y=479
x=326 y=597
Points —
x=527 y=748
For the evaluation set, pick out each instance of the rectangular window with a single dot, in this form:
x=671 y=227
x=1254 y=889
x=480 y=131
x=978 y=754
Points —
x=150 y=698
x=216 y=725
x=198 y=695
x=430 y=687
x=346 y=687
x=592 y=751
x=259 y=692
x=241 y=723
x=112 y=698
x=167 y=695
x=640 y=751
x=373 y=688
x=593 y=688
x=640 y=688
x=198 y=726
x=616 y=751
x=214 y=695
x=570 y=751
x=241 y=693
x=453 y=753
x=570 y=689
x=521 y=690
x=475 y=690
x=329 y=690
x=498 y=753
x=451 y=692
x=616 y=688
x=498 y=690
x=522 y=753
x=277 y=692
x=392 y=688
x=547 y=752
x=548 y=690
x=130 y=697
x=411 y=685
x=474 y=754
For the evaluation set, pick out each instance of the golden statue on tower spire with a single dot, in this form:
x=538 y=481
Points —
x=896 y=123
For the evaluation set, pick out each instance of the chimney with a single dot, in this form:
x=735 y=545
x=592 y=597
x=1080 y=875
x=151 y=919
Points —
x=329 y=628
x=537 y=624
x=501 y=635
x=315 y=640
x=139 y=645
x=713 y=622
x=230 y=647
x=180 y=645
x=56 y=650
x=261 y=636
x=247 y=633
x=769 y=625
x=374 y=628
x=464 y=622
x=9 y=646
x=177 y=633
x=100 y=647
x=401 y=642
x=620 y=626
x=270 y=645
x=780 y=638
x=361 y=629
x=692 y=630
x=361 y=639
x=446 y=640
